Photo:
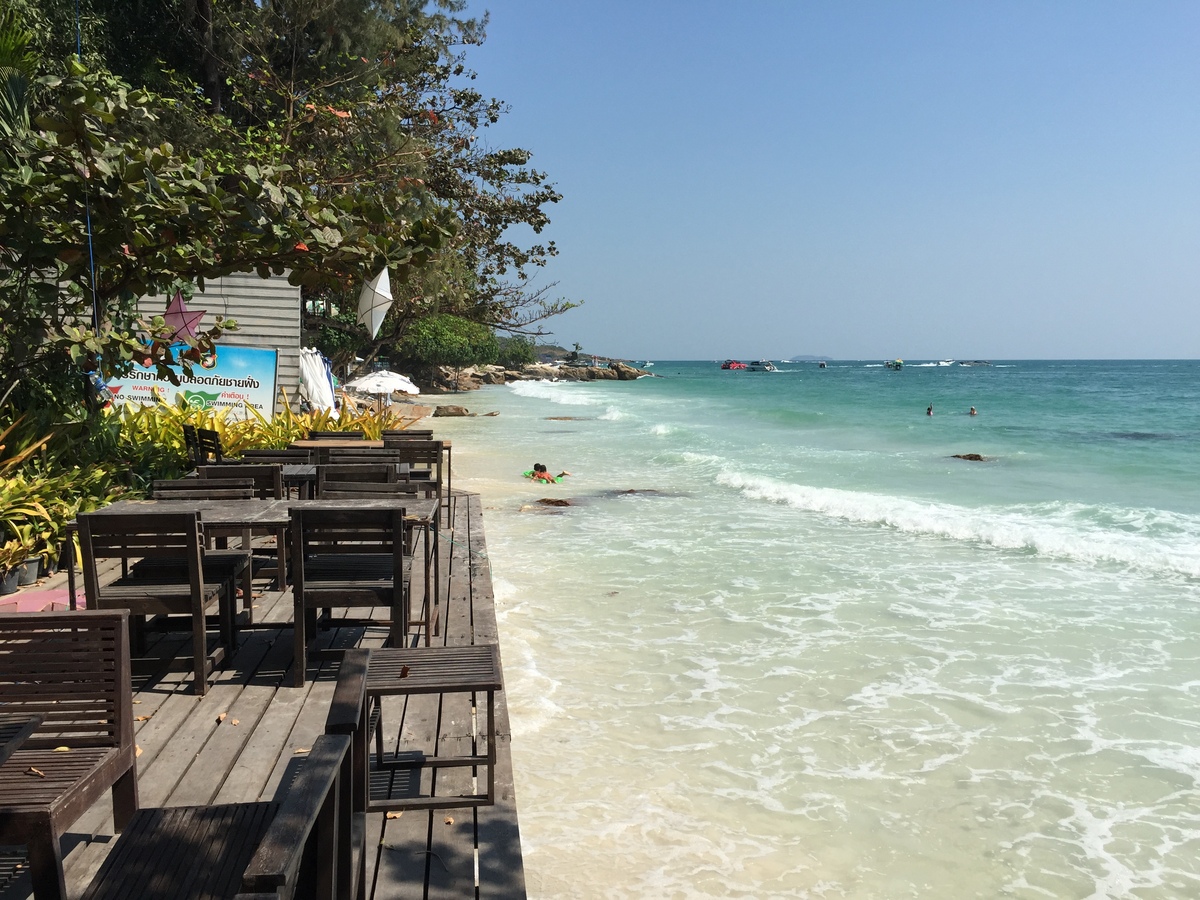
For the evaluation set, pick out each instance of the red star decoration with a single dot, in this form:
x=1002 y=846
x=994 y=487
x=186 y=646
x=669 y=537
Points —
x=182 y=320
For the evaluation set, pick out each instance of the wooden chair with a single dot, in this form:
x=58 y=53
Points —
x=345 y=559
x=336 y=435
x=268 y=485
x=196 y=489
x=202 y=444
x=267 y=478
x=407 y=434
x=73 y=670
x=214 y=489
x=378 y=473
x=174 y=583
x=308 y=843
x=423 y=455
x=347 y=455
x=372 y=490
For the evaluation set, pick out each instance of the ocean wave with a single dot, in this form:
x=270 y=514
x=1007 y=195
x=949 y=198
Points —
x=555 y=391
x=1151 y=540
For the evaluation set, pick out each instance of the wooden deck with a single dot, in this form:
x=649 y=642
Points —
x=238 y=742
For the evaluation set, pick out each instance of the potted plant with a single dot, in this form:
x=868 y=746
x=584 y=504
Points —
x=32 y=539
x=12 y=555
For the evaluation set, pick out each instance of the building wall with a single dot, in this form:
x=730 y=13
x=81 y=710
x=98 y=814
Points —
x=267 y=311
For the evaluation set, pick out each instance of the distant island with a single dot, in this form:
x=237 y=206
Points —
x=805 y=357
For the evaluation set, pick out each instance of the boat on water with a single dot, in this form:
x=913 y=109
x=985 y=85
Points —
x=762 y=365
x=822 y=365
x=894 y=363
x=946 y=362
x=733 y=364
x=974 y=362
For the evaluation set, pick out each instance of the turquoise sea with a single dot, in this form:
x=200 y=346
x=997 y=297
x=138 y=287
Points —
x=782 y=644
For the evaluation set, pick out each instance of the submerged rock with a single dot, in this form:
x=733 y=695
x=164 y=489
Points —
x=442 y=411
x=970 y=457
x=554 y=501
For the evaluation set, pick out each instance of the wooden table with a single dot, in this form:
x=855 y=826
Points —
x=15 y=729
x=274 y=515
x=432 y=670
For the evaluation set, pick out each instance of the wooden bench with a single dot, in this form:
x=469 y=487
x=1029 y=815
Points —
x=72 y=669
x=307 y=843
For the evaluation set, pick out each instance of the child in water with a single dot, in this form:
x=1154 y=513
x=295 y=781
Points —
x=541 y=473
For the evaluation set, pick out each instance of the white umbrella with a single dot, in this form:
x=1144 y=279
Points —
x=383 y=382
x=374 y=301
x=316 y=381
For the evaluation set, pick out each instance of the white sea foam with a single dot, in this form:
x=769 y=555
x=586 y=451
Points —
x=1056 y=530
x=566 y=392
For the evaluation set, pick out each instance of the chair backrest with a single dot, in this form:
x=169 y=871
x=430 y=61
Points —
x=296 y=457
x=191 y=440
x=350 y=490
x=420 y=455
x=209 y=444
x=408 y=434
x=204 y=489
x=343 y=455
x=379 y=473
x=336 y=435
x=323 y=530
x=72 y=669
x=149 y=535
x=267 y=478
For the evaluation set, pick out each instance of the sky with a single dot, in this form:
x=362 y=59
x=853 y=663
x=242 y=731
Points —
x=861 y=180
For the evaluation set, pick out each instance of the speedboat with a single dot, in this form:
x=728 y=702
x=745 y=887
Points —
x=762 y=365
x=733 y=364
x=894 y=363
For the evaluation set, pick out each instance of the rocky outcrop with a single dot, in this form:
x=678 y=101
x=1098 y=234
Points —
x=970 y=457
x=444 y=380
x=443 y=411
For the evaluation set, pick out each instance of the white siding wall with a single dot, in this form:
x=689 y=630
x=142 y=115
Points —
x=267 y=311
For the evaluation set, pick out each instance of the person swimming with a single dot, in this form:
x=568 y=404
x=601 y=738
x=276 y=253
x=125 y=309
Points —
x=973 y=413
x=929 y=411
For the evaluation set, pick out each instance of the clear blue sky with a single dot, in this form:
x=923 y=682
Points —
x=862 y=179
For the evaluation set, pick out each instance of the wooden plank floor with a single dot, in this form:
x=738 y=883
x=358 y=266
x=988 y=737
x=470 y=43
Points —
x=245 y=737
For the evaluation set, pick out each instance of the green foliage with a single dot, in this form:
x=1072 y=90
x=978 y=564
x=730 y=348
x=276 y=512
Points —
x=516 y=351
x=47 y=478
x=443 y=340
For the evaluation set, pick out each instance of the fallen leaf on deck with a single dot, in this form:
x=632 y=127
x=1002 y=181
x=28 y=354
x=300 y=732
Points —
x=233 y=721
x=38 y=772
x=137 y=751
x=302 y=750
x=137 y=701
x=62 y=749
x=221 y=717
x=404 y=671
x=393 y=815
x=449 y=820
x=143 y=718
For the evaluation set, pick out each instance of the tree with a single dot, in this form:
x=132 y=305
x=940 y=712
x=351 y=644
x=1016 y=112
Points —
x=516 y=351
x=443 y=340
x=92 y=217
x=349 y=129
